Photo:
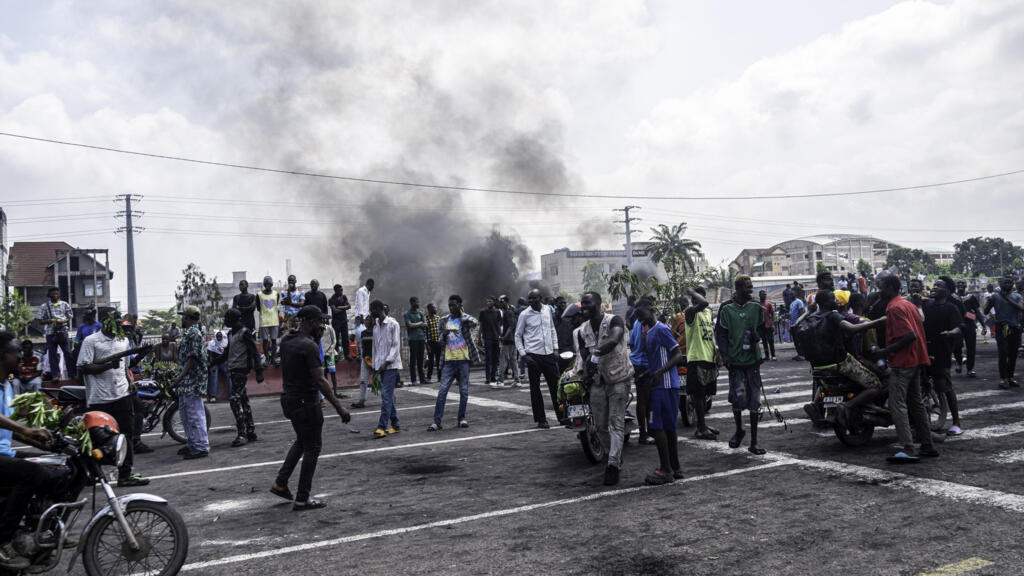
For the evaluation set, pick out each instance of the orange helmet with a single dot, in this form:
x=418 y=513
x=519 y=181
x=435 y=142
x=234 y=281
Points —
x=99 y=420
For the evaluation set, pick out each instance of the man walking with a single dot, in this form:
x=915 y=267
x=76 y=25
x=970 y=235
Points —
x=387 y=361
x=536 y=340
x=302 y=384
x=56 y=317
x=942 y=328
x=458 y=354
x=907 y=355
x=339 y=306
x=1007 y=306
x=268 y=302
x=972 y=316
x=246 y=304
x=739 y=323
x=191 y=385
x=490 y=333
x=106 y=386
x=242 y=356
x=416 y=331
x=768 y=332
x=435 y=348
x=604 y=340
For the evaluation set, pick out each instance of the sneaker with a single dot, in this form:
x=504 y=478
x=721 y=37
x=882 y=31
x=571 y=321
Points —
x=611 y=476
x=415 y=384
x=1012 y=382
x=183 y=450
x=392 y=430
x=360 y=404
x=251 y=437
x=678 y=474
x=499 y=384
x=543 y=424
x=239 y=441
x=10 y=559
x=1004 y=385
x=972 y=374
x=133 y=480
x=141 y=448
x=959 y=368
x=463 y=424
x=954 y=431
x=380 y=433
x=434 y=427
x=196 y=454
x=492 y=384
x=656 y=478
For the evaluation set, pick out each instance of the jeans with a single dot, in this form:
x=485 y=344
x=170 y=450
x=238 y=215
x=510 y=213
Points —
x=364 y=379
x=388 y=380
x=28 y=479
x=970 y=342
x=341 y=331
x=546 y=365
x=768 y=343
x=122 y=411
x=906 y=406
x=193 y=420
x=453 y=369
x=53 y=342
x=307 y=419
x=608 y=406
x=239 y=400
x=507 y=361
x=217 y=373
x=491 y=348
x=31 y=385
x=1008 y=342
x=435 y=359
x=416 y=349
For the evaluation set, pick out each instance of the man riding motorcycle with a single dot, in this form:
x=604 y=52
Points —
x=23 y=477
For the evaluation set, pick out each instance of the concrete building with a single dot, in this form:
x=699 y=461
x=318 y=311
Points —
x=942 y=257
x=762 y=262
x=82 y=275
x=799 y=257
x=562 y=270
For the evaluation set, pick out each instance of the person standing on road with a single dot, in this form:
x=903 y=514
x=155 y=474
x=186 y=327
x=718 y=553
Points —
x=314 y=297
x=663 y=356
x=796 y=310
x=1007 y=305
x=268 y=303
x=739 y=323
x=293 y=299
x=387 y=361
x=509 y=360
x=768 y=332
x=364 y=337
x=303 y=383
x=942 y=328
x=339 y=306
x=242 y=356
x=56 y=316
x=701 y=368
x=459 y=353
x=605 y=344
x=363 y=300
x=435 y=348
x=490 y=334
x=246 y=304
x=972 y=317
x=641 y=377
x=191 y=386
x=107 y=388
x=416 y=330
x=536 y=340
x=907 y=355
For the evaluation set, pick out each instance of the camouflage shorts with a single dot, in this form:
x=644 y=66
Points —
x=859 y=373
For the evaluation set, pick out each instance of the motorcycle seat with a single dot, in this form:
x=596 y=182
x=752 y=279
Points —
x=71 y=394
x=825 y=373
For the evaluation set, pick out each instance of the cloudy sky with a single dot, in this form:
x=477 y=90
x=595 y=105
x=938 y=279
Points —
x=661 y=98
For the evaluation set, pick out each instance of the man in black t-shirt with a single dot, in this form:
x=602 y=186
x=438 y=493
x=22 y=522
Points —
x=490 y=333
x=303 y=382
x=969 y=328
x=246 y=304
x=941 y=327
x=314 y=297
x=339 y=306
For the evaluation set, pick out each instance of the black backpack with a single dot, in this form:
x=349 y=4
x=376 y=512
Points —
x=811 y=339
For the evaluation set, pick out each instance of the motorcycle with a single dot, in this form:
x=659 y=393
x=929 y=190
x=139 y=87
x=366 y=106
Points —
x=574 y=398
x=132 y=534
x=831 y=389
x=687 y=412
x=158 y=397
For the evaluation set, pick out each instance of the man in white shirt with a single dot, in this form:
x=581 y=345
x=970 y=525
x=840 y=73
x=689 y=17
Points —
x=362 y=308
x=536 y=342
x=387 y=361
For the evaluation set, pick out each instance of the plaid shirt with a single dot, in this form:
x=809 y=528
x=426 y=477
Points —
x=433 y=328
x=193 y=382
x=59 y=311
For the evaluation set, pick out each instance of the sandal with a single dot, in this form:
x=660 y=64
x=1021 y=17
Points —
x=286 y=493
x=954 y=431
x=311 y=504
x=903 y=458
x=737 y=439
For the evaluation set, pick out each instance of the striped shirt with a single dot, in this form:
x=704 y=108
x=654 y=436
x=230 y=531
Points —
x=387 y=344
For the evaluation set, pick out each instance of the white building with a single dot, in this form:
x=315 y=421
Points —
x=562 y=270
x=837 y=252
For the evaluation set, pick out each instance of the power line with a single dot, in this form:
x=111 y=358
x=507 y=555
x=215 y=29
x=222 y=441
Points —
x=500 y=191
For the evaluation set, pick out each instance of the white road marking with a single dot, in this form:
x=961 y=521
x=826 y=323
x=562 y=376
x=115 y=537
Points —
x=472 y=518
x=487 y=402
x=349 y=453
x=1009 y=457
x=997 y=431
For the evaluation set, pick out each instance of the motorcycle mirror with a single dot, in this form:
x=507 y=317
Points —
x=69 y=413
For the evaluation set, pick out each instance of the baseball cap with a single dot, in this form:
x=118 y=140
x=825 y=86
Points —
x=190 y=310
x=309 y=311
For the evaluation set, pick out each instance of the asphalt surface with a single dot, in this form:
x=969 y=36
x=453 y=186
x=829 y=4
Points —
x=502 y=497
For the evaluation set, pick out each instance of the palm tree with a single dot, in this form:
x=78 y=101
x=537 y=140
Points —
x=721 y=277
x=669 y=247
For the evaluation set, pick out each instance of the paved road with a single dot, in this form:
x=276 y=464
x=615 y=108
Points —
x=502 y=497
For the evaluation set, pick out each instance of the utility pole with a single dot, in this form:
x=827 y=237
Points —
x=628 y=233
x=129 y=230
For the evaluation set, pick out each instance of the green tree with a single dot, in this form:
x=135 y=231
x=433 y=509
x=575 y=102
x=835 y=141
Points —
x=820 y=267
x=911 y=261
x=864 y=267
x=15 y=314
x=594 y=279
x=196 y=290
x=720 y=277
x=626 y=283
x=669 y=248
x=989 y=256
x=158 y=321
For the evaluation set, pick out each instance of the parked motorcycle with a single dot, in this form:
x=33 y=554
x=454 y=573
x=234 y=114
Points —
x=574 y=398
x=133 y=534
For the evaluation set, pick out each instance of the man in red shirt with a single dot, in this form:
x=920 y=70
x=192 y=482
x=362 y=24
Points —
x=907 y=354
x=768 y=332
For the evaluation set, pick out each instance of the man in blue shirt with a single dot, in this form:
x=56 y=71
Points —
x=1008 y=306
x=796 y=310
x=638 y=358
x=662 y=358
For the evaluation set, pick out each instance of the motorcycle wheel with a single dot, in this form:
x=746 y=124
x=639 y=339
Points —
x=858 y=437
x=592 y=447
x=173 y=427
x=160 y=531
x=935 y=407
